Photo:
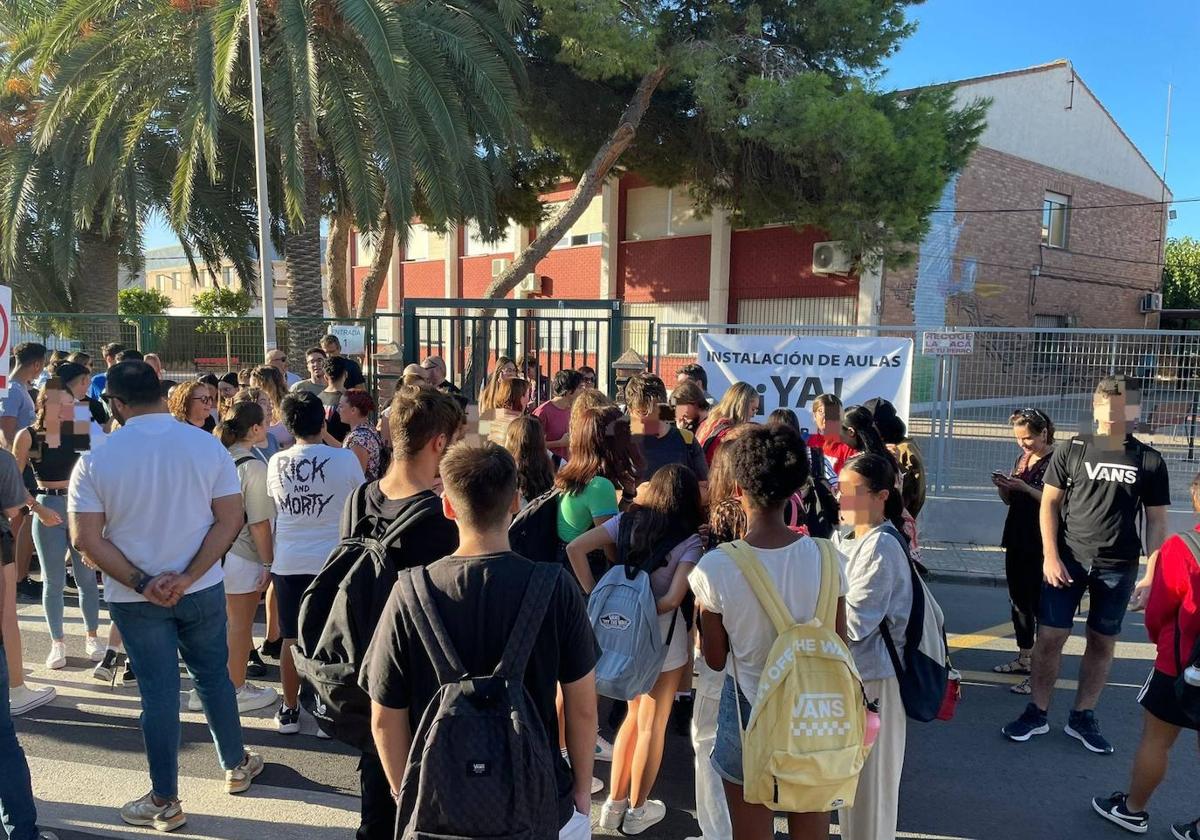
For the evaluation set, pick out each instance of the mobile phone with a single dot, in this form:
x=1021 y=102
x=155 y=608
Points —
x=1000 y=473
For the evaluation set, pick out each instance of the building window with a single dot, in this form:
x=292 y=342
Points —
x=416 y=247
x=160 y=283
x=228 y=272
x=364 y=248
x=175 y=282
x=680 y=342
x=1048 y=347
x=1054 y=219
x=588 y=228
x=476 y=246
x=653 y=213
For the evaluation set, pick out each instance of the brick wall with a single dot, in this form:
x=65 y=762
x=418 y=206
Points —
x=776 y=262
x=571 y=272
x=659 y=270
x=423 y=279
x=1109 y=263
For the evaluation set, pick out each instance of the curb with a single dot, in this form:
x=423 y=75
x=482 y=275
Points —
x=965 y=578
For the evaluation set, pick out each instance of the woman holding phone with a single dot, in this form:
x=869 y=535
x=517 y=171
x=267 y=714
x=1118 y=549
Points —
x=1021 y=490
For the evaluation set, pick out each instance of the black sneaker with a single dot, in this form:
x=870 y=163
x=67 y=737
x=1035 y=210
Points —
x=1113 y=809
x=1031 y=722
x=1186 y=831
x=681 y=716
x=128 y=676
x=1083 y=727
x=255 y=667
x=107 y=669
x=271 y=650
x=29 y=591
x=287 y=719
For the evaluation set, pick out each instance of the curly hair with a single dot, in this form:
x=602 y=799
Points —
x=181 y=398
x=769 y=465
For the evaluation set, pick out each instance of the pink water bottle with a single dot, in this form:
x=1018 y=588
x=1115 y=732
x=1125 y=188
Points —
x=873 y=723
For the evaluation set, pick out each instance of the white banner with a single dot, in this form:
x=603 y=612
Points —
x=790 y=371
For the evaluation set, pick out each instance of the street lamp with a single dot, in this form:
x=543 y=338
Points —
x=266 y=278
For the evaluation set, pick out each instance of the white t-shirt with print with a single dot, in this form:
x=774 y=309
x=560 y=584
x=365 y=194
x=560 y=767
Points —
x=720 y=587
x=310 y=483
x=154 y=479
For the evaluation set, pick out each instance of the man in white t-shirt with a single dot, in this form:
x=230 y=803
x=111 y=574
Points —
x=309 y=483
x=278 y=360
x=155 y=509
x=769 y=465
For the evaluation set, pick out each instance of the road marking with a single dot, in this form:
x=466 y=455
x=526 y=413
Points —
x=980 y=638
x=993 y=679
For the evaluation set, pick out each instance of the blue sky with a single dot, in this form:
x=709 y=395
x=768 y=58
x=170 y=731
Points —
x=1126 y=52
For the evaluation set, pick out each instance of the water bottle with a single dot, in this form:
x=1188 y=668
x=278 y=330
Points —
x=1192 y=675
x=873 y=724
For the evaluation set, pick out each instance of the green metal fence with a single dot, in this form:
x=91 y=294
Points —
x=186 y=345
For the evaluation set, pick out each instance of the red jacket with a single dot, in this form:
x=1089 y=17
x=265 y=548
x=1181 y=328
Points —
x=1174 y=594
x=834 y=448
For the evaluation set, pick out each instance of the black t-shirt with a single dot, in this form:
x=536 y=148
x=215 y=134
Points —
x=436 y=536
x=675 y=447
x=478 y=599
x=354 y=374
x=1100 y=511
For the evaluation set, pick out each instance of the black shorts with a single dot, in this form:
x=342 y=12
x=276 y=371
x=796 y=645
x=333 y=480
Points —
x=1158 y=698
x=1109 y=589
x=288 y=590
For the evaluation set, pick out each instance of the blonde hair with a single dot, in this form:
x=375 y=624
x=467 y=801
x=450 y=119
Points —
x=270 y=381
x=736 y=407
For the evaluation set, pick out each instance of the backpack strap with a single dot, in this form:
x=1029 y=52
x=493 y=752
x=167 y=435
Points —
x=761 y=585
x=414 y=589
x=352 y=513
x=529 y=621
x=245 y=459
x=830 y=578
x=412 y=515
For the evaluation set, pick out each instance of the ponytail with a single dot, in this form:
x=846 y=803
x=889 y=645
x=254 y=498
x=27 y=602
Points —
x=880 y=474
x=866 y=437
x=238 y=422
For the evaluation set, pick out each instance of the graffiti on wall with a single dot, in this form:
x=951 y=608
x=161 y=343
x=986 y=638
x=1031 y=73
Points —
x=941 y=275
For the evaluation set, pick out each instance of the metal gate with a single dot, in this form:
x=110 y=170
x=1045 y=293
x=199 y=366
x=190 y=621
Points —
x=471 y=335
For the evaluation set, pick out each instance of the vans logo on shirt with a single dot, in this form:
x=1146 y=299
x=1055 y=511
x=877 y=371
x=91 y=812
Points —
x=615 y=621
x=1102 y=471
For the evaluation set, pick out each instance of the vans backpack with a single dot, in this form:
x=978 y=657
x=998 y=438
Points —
x=338 y=615
x=924 y=673
x=534 y=531
x=1186 y=692
x=479 y=765
x=804 y=745
x=624 y=617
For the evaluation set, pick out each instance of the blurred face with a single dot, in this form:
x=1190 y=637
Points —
x=508 y=371
x=858 y=505
x=688 y=417
x=1029 y=440
x=435 y=371
x=827 y=421
x=258 y=434
x=278 y=360
x=226 y=391
x=264 y=402
x=200 y=405
x=316 y=367
x=589 y=379
x=1112 y=413
x=755 y=406
x=77 y=388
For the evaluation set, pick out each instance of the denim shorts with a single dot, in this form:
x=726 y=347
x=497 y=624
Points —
x=727 y=747
x=1109 y=590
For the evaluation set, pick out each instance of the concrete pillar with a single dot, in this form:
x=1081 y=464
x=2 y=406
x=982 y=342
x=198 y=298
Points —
x=870 y=294
x=391 y=326
x=718 y=268
x=609 y=243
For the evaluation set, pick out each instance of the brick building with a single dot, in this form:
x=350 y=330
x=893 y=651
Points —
x=1050 y=154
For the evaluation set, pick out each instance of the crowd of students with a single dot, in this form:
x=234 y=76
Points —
x=211 y=496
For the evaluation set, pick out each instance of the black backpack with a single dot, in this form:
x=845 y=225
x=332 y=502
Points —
x=338 y=615
x=534 y=531
x=479 y=765
x=820 y=504
x=1188 y=694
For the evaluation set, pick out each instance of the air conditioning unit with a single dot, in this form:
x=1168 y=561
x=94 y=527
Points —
x=529 y=286
x=499 y=266
x=1150 y=302
x=831 y=258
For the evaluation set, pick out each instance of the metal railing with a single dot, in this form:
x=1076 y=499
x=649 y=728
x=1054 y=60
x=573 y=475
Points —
x=960 y=405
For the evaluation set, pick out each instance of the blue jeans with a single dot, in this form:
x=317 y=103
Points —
x=154 y=637
x=18 y=814
x=52 y=546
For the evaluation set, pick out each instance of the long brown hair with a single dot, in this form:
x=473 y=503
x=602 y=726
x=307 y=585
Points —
x=526 y=442
x=271 y=381
x=601 y=445
x=487 y=399
x=510 y=394
x=726 y=519
x=670 y=511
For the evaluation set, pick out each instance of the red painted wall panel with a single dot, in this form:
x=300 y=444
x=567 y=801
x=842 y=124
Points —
x=674 y=268
x=571 y=273
x=777 y=263
x=423 y=279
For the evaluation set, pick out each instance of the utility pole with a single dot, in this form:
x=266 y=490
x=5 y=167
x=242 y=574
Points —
x=266 y=277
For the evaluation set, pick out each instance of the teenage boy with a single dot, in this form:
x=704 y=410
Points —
x=1097 y=486
x=317 y=381
x=660 y=442
x=484 y=578
x=691 y=405
x=827 y=420
x=423 y=424
x=332 y=345
x=156 y=508
x=110 y=353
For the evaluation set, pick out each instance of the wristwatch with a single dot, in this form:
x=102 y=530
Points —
x=140 y=586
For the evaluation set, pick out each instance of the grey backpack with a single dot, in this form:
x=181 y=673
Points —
x=479 y=765
x=624 y=618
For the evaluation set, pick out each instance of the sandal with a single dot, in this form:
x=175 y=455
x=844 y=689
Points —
x=1022 y=687
x=1020 y=665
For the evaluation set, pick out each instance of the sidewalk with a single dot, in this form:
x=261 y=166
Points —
x=951 y=562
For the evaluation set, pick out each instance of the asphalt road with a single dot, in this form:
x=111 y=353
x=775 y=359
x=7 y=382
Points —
x=961 y=779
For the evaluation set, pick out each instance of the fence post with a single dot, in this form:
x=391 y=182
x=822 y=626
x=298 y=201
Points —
x=616 y=327
x=409 y=331
x=1112 y=355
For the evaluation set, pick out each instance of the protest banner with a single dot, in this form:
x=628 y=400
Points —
x=789 y=371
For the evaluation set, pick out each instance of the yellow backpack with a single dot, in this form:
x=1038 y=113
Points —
x=803 y=747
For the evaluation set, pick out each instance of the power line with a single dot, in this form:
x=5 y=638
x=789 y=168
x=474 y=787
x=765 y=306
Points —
x=1070 y=207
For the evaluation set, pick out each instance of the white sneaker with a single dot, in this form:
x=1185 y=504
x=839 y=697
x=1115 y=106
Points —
x=604 y=749
x=57 y=657
x=194 y=704
x=251 y=697
x=24 y=699
x=612 y=813
x=638 y=820
x=597 y=785
x=94 y=647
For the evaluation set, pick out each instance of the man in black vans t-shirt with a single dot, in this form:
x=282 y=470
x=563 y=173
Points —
x=477 y=593
x=1097 y=487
